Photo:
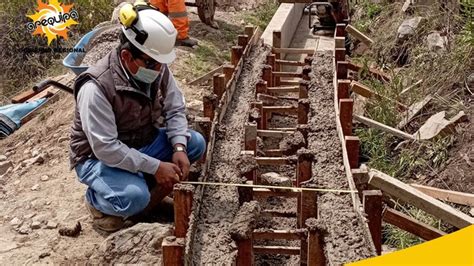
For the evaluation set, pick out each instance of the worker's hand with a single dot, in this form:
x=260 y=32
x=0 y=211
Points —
x=167 y=175
x=182 y=161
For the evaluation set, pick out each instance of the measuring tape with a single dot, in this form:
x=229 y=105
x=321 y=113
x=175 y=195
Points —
x=270 y=187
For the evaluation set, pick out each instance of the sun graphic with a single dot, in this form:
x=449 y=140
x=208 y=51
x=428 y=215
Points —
x=52 y=20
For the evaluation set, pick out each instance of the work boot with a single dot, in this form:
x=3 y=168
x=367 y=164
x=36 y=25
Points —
x=104 y=222
x=188 y=42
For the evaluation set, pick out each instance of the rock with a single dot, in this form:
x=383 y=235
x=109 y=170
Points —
x=4 y=166
x=44 y=255
x=16 y=222
x=51 y=225
x=3 y=158
x=140 y=244
x=62 y=139
x=24 y=230
x=471 y=212
x=35 y=187
x=436 y=42
x=44 y=178
x=231 y=9
x=35 y=225
x=408 y=28
x=39 y=159
x=275 y=179
x=17 y=182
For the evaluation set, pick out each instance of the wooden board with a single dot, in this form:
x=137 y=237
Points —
x=359 y=35
x=447 y=195
x=275 y=250
x=377 y=125
x=206 y=76
x=279 y=234
x=411 y=225
x=410 y=195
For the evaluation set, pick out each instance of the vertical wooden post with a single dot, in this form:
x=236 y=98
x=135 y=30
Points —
x=183 y=202
x=343 y=86
x=304 y=130
x=340 y=42
x=259 y=120
x=308 y=209
x=243 y=40
x=236 y=54
x=203 y=125
x=219 y=85
x=271 y=61
x=316 y=255
x=306 y=71
x=340 y=30
x=210 y=103
x=268 y=75
x=352 y=146
x=342 y=70
x=340 y=54
x=228 y=70
x=303 y=111
x=345 y=115
x=303 y=174
x=173 y=251
x=249 y=30
x=250 y=137
x=373 y=208
x=261 y=87
x=277 y=44
x=304 y=86
x=244 y=252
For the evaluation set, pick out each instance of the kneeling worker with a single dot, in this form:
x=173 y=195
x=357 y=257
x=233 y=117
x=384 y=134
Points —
x=176 y=11
x=117 y=147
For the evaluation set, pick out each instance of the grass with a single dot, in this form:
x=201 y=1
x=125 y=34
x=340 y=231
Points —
x=441 y=72
x=262 y=15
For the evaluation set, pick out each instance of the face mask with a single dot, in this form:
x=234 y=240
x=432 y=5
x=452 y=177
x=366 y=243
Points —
x=146 y=75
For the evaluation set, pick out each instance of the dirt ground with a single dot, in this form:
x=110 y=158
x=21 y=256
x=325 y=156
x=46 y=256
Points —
x=46 y=195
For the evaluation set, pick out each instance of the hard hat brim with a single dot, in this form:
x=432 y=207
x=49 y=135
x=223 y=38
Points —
x=164 y=58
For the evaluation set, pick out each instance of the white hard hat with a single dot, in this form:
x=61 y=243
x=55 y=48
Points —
x=159 y=35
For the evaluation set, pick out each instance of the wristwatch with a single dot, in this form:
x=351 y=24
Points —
x=179 y=149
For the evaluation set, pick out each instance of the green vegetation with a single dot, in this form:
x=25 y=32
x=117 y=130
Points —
x=262 y=15
x=204 y=58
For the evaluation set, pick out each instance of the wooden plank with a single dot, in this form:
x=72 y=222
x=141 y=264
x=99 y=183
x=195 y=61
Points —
x=183 y=202
x=273 y=153
x=372 y=201
x=289 y=83
x=279 y=213
x=288 y=89
x=366 y=92
x=359 y=35
x=275 y=250
x=292 y=51
x=413 y=110
x=273 y=133
x=206 y=76
x=447 y=195
x=44 y=94
x=287 y=74
x=289 y=62
x=266 y=193
x=374 y=124
x=279 y=234
x=410 y=195
x=23 y=96
x=37 y=110
x=407 y=89
x=173 y=251
x=281 y=109
x=272 y=160
x=411 y=225
x=374 y=72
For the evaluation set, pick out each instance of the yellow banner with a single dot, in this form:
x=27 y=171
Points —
x=456 y=249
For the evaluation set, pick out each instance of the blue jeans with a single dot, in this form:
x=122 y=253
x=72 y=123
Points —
x=118 y=192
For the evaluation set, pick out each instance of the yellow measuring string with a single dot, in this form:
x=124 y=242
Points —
x=269 y=187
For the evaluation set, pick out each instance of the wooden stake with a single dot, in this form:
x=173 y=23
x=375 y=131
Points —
x=340 y=30
x=250 y=137
x=228 y=70
x=277 y=44
x=210 y=103
x=249 y=30
x=372 y=200
x=316 y=255
x=345 y=115
x=183 y=202
x=343 y=86
x=219 y=85
x=261 y=87
x=243 y=40
x=173 y=251
x=303 y=89
x=340 y=54
x=244 y=252
x=203 y=125
x=352 y=147
x=309 y=206
x=259 y=120
x=303 y=174
x=342 y=70
x=303 y=111
x=268 y=75
x=237 y=52
x=359 y=35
